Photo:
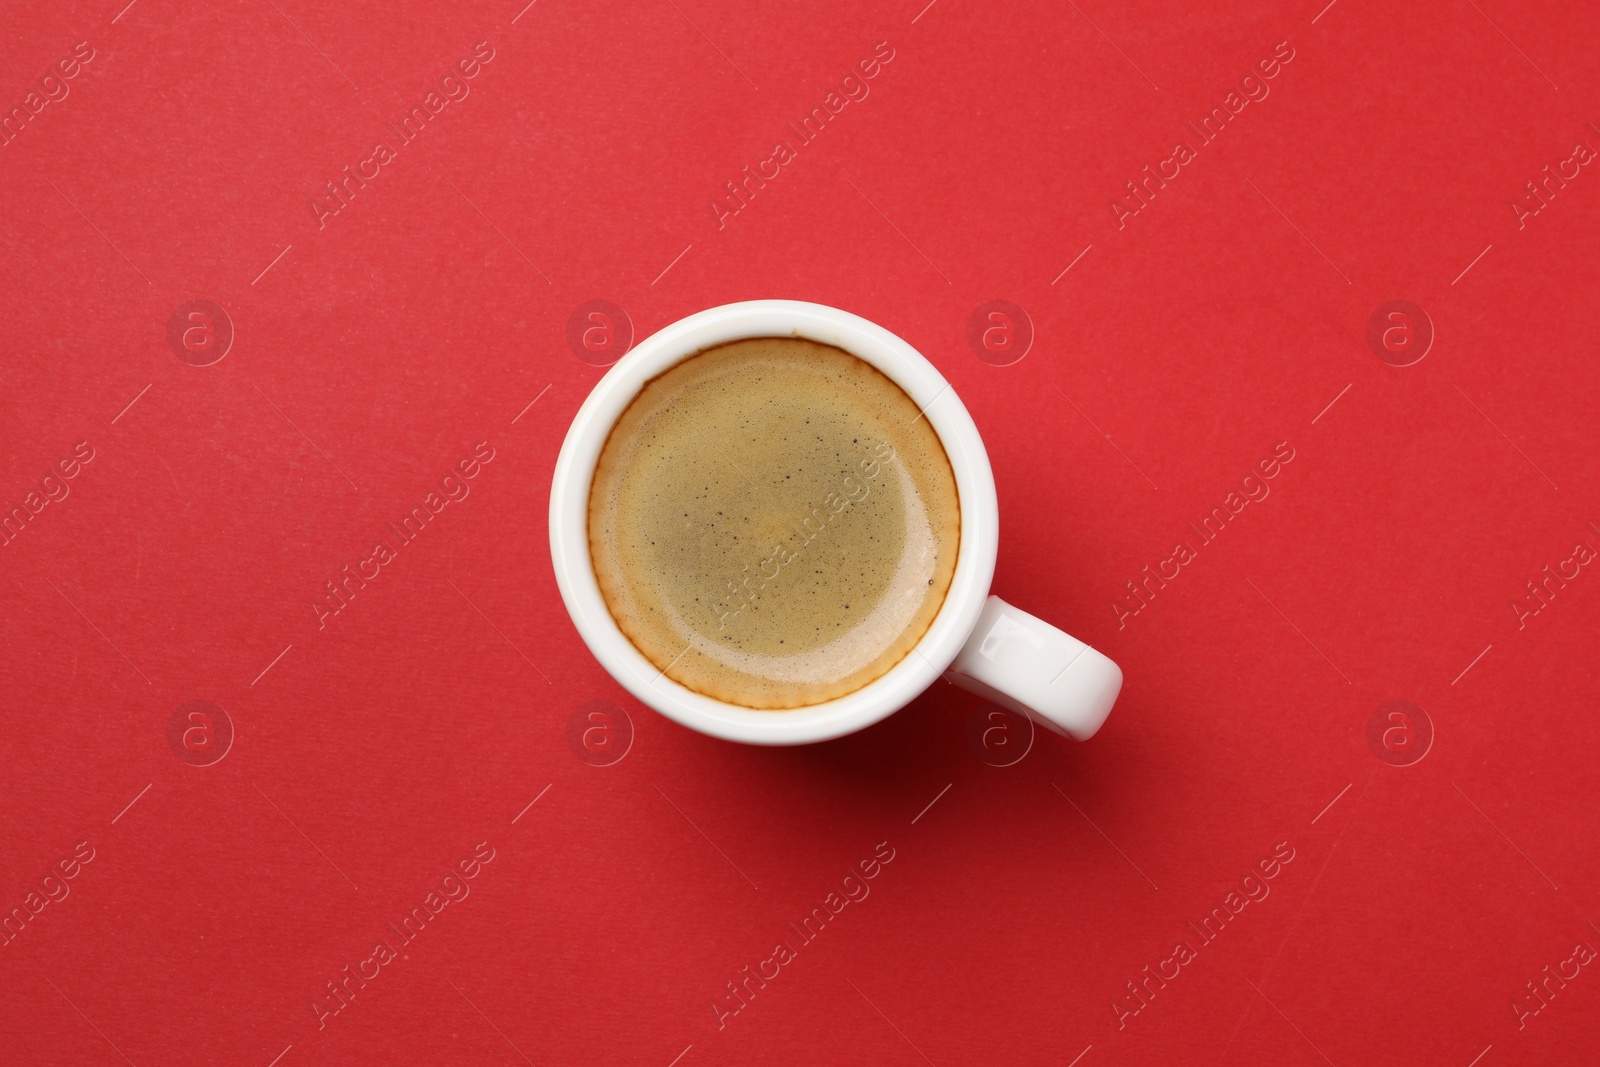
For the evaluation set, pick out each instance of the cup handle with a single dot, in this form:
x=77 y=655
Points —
x=1025 y=664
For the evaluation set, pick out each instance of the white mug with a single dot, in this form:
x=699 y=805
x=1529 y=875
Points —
x=976 y=640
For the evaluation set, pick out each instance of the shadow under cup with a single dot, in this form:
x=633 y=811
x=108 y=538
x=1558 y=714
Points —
x=773 y=523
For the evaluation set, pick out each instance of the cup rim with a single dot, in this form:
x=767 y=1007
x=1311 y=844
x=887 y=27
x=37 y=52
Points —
x=903 y=364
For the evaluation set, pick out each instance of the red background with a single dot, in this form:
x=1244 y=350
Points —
x=372 y=353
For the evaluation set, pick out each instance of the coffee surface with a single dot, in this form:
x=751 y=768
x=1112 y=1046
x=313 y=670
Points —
x=773 y=523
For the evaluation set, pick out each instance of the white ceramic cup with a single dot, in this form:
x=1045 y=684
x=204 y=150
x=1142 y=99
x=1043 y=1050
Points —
x=976 y=641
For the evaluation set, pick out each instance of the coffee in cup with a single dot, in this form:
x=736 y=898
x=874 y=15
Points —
x=773 y=523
